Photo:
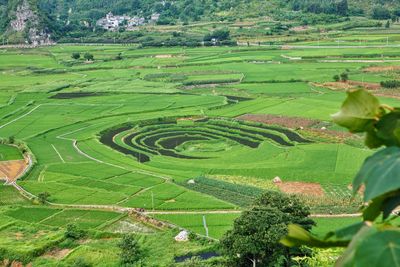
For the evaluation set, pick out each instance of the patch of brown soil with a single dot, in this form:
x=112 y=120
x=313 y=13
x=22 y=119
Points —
x=299 y=28
x=12 y=169
x=382 y=69
x=389 y=95
x=300 y=188
x=19 y=236
x=339 y=134
x=348 y=85
x=57 y=253
x=289 y=122
x=369 y=86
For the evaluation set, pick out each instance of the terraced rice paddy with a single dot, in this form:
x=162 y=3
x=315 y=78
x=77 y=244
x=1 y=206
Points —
x=174 y=133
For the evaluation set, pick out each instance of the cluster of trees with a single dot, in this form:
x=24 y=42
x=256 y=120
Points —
x=321 y=6
x=256 y=234
x=384 y=9
x=87 y=56
x=344 y=77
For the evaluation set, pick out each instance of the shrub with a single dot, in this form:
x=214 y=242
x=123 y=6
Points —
x=74 y=232
x=344 y=77
x=390 y=84
x=88 y=56
x=76 y=56
x=80 y=262
x=43 y=197
x=336 y=78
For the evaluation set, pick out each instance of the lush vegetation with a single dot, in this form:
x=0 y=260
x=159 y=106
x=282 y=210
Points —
x=75 y=21
x=191 y=136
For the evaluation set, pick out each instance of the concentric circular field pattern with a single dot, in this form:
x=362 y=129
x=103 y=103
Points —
x=193 y=139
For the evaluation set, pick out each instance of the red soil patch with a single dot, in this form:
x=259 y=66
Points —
x=12 y=169
x=288 y=122
x=300 y=188
x=382 y=69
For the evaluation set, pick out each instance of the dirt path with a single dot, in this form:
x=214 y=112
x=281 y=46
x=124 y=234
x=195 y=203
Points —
x=193 y=212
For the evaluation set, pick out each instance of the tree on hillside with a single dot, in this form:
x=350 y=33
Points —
x=342 y=8
x=220 y=35
x=130 y=250
x=76 y=55
x=254 y=239
x=387 y=25
x=88 y=56
x=380 y=12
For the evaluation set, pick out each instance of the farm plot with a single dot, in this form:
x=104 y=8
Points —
x=217 y=224
x=9 y=153
x=85 y=219
x=168 y=138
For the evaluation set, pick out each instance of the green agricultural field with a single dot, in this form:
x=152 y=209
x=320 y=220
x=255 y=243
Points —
x=9 y=153
x=175 y=133
x=113 y=127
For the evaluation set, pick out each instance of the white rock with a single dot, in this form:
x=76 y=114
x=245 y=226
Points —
x=323 y=128
x=183 y=236
x=277 y=180
x=191 y=181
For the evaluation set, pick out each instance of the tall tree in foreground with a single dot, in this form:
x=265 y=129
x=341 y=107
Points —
x=375 y=242
x=254 y=239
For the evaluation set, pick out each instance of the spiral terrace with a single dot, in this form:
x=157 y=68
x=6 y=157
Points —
x=169 y=137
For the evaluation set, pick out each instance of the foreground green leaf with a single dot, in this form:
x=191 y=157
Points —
x=380 y=173
x=388 y=128
x=359 y=111
x=379 y=249
x=297 y=236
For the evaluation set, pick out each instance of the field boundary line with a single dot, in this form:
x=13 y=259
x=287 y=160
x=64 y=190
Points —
x=20 y=117
x=51 y=216
x=58 y=153
x=193 y=212
x=75 y=145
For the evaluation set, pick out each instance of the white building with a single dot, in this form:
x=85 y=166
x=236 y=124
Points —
x=113 y=23
x=155 y=17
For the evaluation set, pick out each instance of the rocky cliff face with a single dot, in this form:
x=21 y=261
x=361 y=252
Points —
x=27 y=21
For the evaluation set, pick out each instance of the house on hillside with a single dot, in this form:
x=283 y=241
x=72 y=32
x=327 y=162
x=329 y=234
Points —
x=112 y=23
x=155 y=17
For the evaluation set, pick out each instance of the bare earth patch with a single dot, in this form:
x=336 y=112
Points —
x=299 y=28
x=57 y=253
x=164 y=56
x=289 y=122
x=382 y=69
x=348 y=85
x=300 y=188
x=11 y=170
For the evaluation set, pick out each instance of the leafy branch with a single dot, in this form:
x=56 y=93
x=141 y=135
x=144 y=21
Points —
x=376 y=240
